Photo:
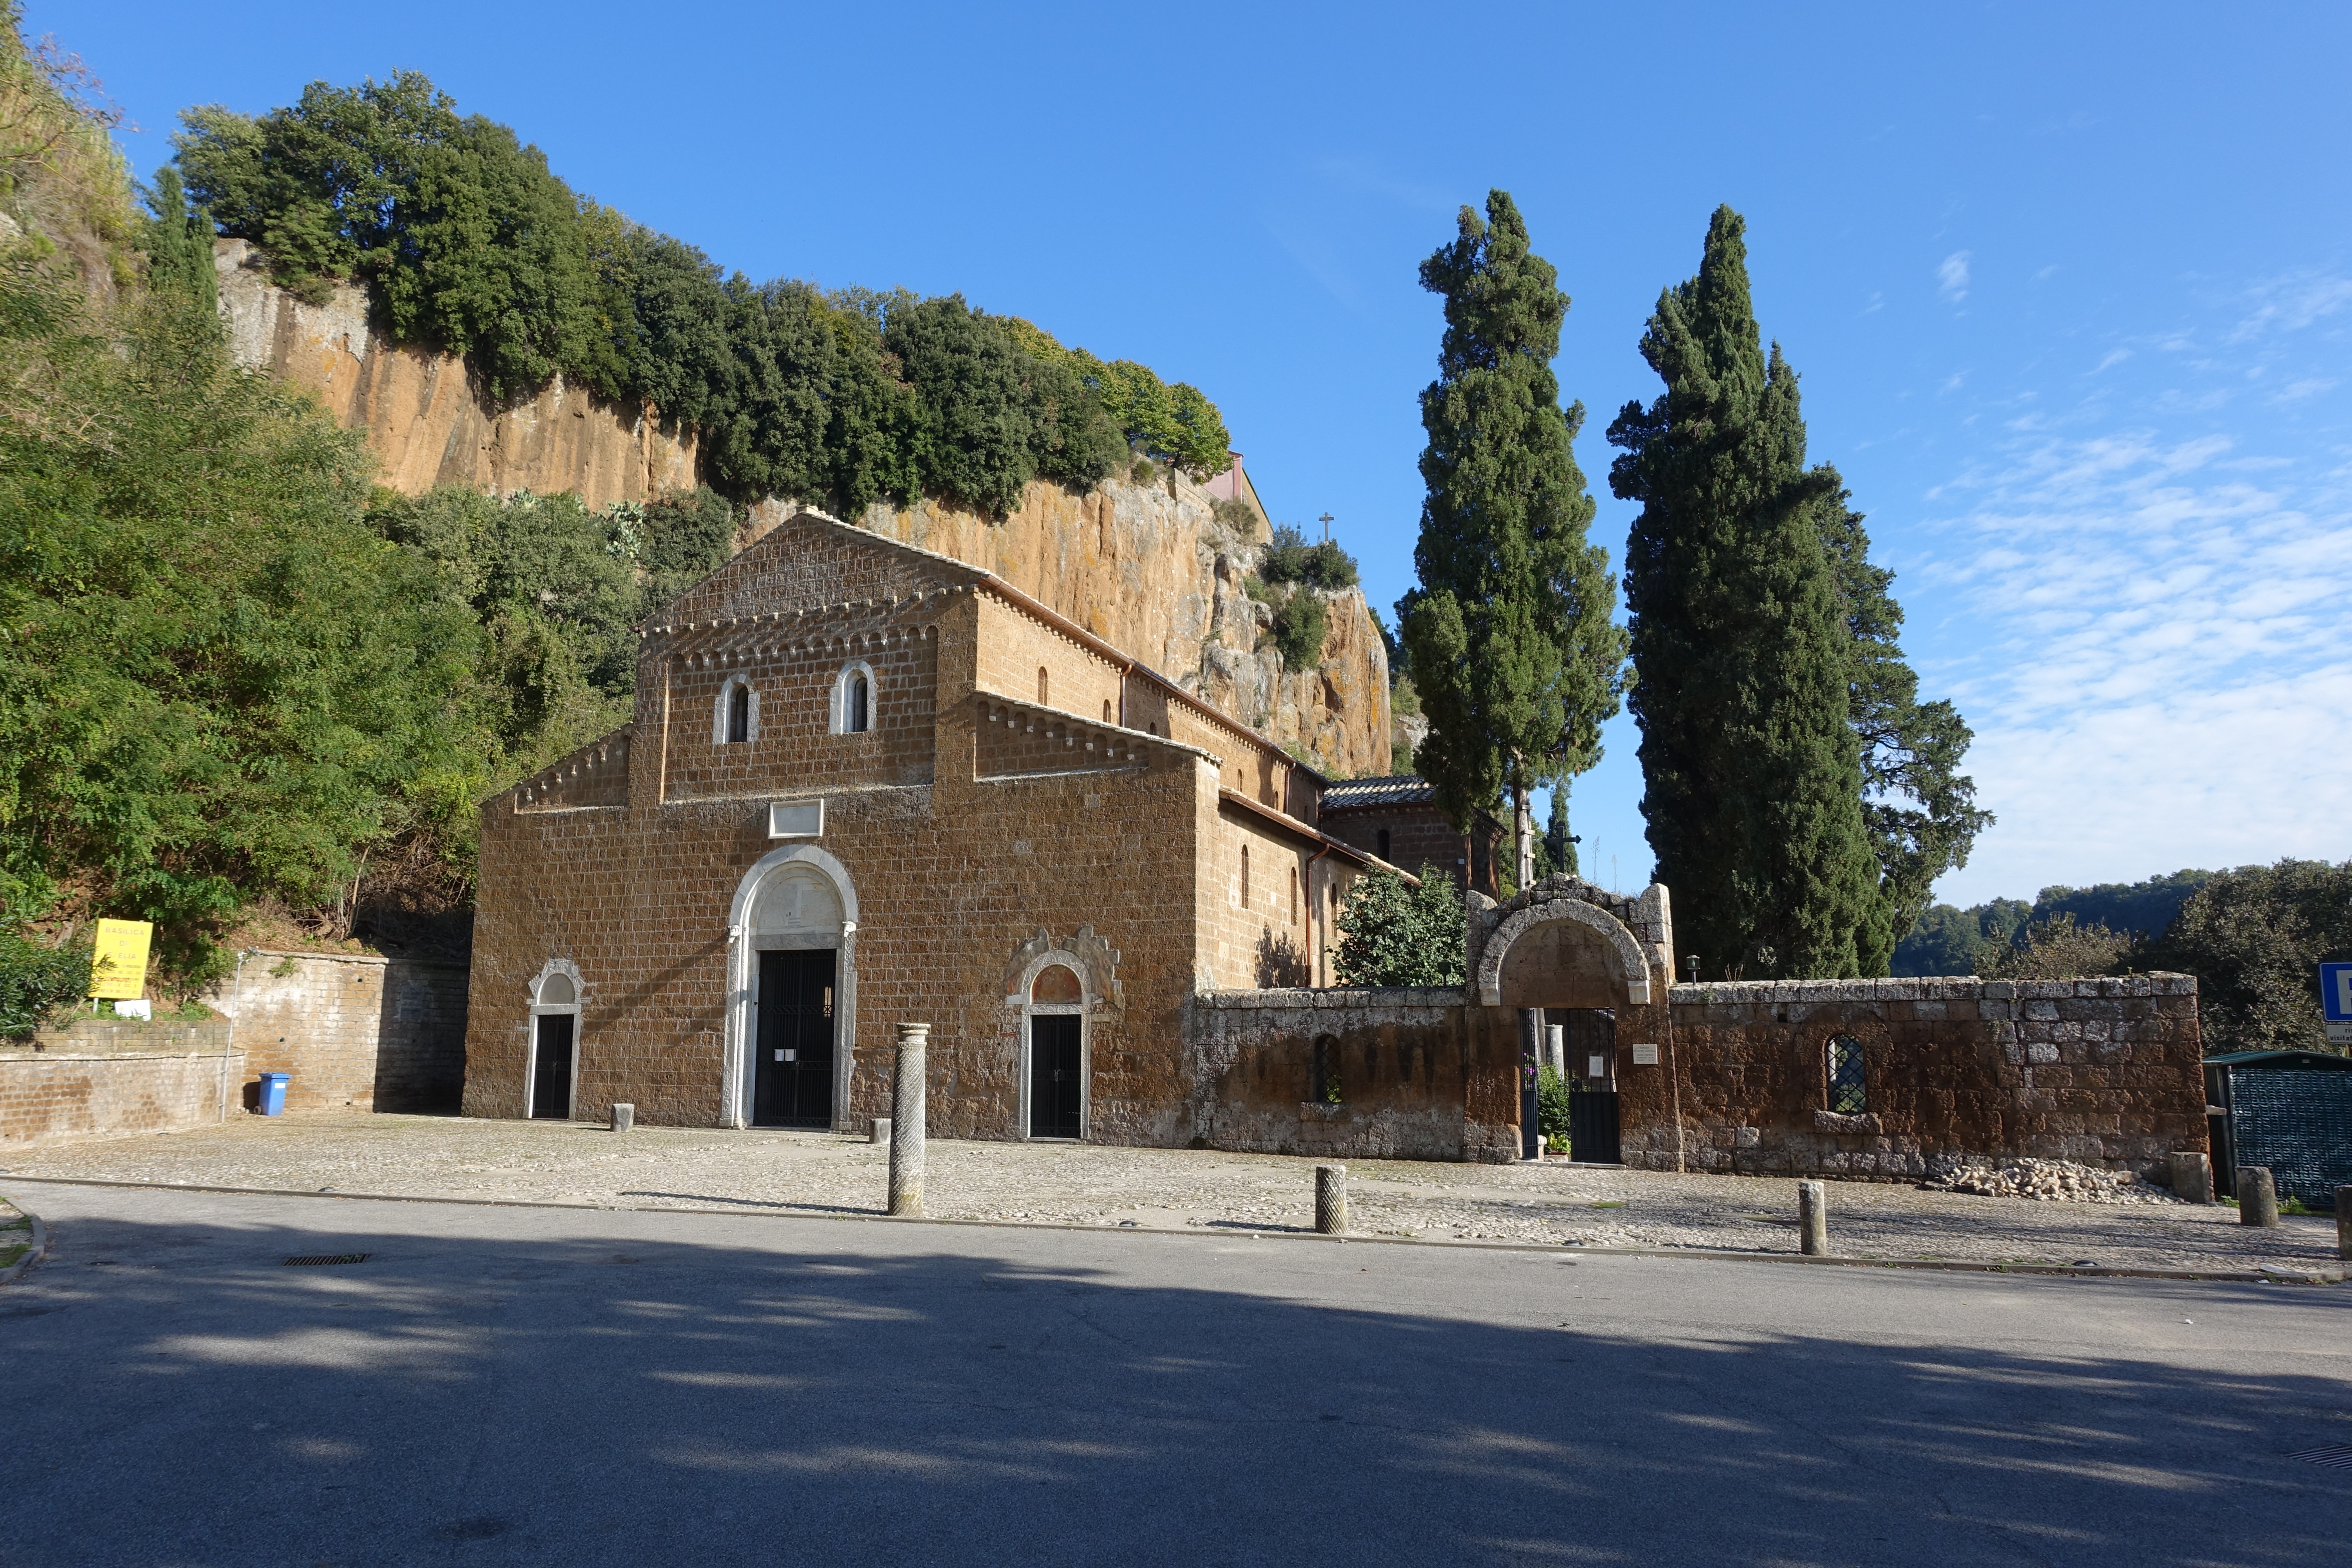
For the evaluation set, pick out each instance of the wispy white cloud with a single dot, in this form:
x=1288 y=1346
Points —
x=2291 y=303
x=1952 y=277
x=2155 y=665
x=2113 y=358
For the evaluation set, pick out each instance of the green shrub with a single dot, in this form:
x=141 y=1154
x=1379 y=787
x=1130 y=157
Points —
x=37 y=981
x=1393 y=934
x=1551 y=1109
x=1290 y=559
x=1300 y=623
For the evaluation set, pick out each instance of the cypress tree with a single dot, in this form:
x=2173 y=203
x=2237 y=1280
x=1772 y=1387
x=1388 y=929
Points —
x=1509 y=632
x=1751 y=768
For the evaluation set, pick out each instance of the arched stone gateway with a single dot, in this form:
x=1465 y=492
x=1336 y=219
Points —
x=1566 y=943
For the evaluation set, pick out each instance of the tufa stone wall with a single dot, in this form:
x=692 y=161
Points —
x=1421 y=1077
x=2103 y=1072
x=355 y=1031
x=116 y=1079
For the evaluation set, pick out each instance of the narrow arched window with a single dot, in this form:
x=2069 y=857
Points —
x=1044 y=689
x=860 y=715
x=853 y=700
x=738 y=715
x=1106 y=710
x=1294 y=895
x=1323 y=1072
x=1245 y=875
x=1848 y=1093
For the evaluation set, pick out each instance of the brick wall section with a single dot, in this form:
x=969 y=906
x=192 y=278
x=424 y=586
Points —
x=118 y=1083
x=1260 y=942
x=795 y=678
x=1014 y=647
x=1421 y=1077
x=354 y=1031
x=1418 y=836
x=2104 y=1072
x=596 y=774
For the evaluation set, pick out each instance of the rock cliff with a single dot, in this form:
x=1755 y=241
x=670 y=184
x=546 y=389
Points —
x=1147 y=568
x=421 y=412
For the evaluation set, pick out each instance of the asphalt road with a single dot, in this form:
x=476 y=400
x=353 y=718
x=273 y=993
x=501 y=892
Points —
x=523 y=1386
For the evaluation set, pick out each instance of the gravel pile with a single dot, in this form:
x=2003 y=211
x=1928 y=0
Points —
x=2051 y=1181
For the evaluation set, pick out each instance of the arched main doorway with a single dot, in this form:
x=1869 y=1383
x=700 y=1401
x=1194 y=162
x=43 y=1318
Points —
x=791 y=1023
x=1570 y=967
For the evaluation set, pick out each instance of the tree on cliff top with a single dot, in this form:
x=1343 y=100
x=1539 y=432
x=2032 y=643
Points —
x=1750 y=763
x=1513 y=650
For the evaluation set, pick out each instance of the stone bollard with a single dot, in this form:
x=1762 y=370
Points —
x=2257 y=1197
x=881 y=1133
x=2344 y=1222
x=907 y=1122
x=2192 y=1177
x=624 y=1116
x=1331 y=1199
x=1812 y=1219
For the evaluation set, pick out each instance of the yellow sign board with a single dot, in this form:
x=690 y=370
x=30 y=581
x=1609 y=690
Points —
x=118 y=969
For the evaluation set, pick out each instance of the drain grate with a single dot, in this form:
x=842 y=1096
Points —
x=317 y=1260
x=2335 y=1455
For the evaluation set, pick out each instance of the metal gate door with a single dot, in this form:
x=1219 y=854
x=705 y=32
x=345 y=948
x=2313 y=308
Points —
x=1593 y=1127
x=791 y=1082
x=1055 y=1071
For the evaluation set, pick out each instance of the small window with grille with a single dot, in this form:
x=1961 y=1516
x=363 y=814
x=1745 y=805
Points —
x=1848 y=1096
x=1323 y=1072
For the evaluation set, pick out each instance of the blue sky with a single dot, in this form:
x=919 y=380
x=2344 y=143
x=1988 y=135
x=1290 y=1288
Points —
x=2071 y=288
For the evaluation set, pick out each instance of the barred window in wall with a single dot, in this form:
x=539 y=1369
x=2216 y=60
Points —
x=1323 y=1072
x=1847 y=1094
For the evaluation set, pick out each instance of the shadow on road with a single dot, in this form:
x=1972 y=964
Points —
x=176 y=1395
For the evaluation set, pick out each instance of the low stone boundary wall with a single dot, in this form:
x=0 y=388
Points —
x=354 y=1031
x=2103 y=1072
x=1421 y=1077
x=113 y=1081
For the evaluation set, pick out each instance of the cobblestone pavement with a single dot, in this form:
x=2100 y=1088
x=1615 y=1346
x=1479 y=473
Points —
x=1096 y=1185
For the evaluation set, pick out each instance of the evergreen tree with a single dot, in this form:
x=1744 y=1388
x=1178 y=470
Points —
x=179 y=242
x=1559 y=843
x=1516 y=659
x=1750 y=763
x=1920 y=811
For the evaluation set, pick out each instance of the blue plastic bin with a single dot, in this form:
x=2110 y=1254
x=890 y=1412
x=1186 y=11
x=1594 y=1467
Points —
x=273 y=1092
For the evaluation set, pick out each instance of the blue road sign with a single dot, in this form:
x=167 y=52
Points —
x=2336 y=992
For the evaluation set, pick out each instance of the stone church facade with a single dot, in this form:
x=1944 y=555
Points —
x=867 y=784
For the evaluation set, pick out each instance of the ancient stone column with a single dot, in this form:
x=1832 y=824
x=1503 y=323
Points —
x=1814 y=1219
x=2257 y=1196
x=2192 y=1177
x=1331 y=1199
x=907 y=1122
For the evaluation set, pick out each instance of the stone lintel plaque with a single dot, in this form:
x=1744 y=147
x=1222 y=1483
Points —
x=796 y=819
x=1645 y=1054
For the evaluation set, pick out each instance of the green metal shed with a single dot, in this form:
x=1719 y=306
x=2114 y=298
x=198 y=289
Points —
x=2288 y=1112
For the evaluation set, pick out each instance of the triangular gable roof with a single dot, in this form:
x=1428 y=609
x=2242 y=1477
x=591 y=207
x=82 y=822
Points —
x=808 y=562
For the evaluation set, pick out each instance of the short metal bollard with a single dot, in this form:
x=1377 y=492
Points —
x=2257 y=1197
x=2344 y=1222
x=907 y=1122
x=1331 y=1199
x=2192 y=1177
x=624 y=1116
x=1812 y=1219
x=881 y=1131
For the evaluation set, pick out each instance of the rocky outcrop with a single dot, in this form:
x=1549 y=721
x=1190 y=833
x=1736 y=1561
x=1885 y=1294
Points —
x=424 y=419
x=1158 y=576
x=1146 y=567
